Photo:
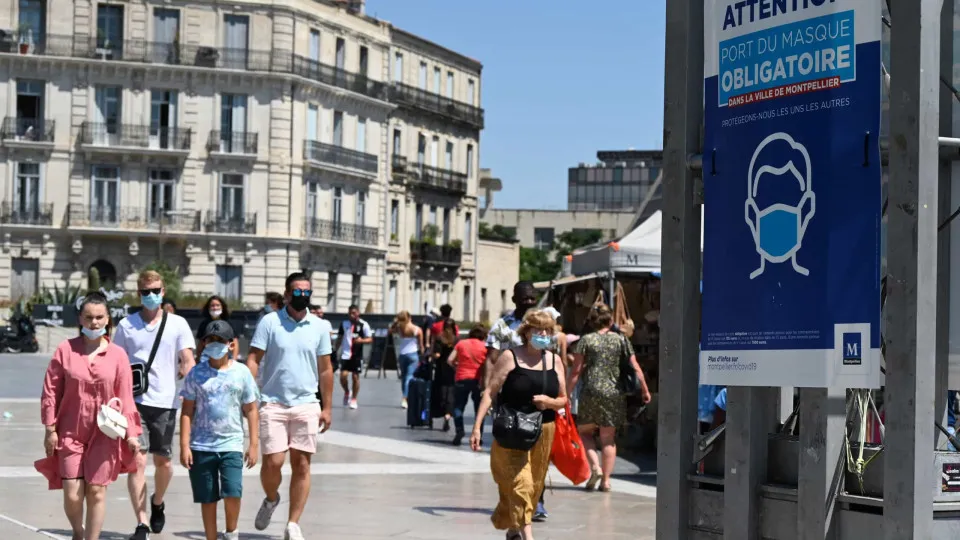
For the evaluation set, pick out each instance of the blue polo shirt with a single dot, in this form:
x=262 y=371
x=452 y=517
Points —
x=288 y=370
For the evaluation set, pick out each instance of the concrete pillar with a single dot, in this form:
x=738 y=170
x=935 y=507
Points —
x=822 y=415
x=751 y=415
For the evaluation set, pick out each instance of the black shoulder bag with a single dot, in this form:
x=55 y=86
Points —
x=628 y=382
x=141 y=372
x=517 y=430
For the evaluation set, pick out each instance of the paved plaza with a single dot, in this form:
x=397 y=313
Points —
x=373 y=479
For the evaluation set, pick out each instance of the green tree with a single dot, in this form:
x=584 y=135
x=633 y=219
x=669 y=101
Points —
x=171 y=278
x=536 y=265
x=565 y=243
x=497 y=233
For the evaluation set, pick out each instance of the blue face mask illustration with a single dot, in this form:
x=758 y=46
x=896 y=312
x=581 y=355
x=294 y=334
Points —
x=778 y=229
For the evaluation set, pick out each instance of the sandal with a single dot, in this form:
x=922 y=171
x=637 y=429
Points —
x=595 y=477
x=604 y=489
x=514 y=535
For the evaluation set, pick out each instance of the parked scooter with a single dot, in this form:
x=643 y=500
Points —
x=20 y=335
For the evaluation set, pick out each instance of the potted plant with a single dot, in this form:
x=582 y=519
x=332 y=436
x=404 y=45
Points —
x=456 y=244
x=393 y=238
x=24 y=33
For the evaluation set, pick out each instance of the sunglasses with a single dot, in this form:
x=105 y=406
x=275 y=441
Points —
x=302 y=292
x=144 y=292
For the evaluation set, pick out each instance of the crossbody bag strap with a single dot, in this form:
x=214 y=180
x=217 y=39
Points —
x=543 y=358
x=156 y=342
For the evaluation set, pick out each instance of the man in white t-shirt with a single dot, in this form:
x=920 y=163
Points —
x=155 y=391
x=354 y=334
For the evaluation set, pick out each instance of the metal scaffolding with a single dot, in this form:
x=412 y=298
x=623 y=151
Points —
x=745 y=506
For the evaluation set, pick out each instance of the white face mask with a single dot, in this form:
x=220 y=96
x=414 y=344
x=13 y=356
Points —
x=215 y=313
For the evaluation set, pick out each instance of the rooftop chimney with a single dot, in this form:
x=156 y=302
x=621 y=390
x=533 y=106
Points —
x=355 y=7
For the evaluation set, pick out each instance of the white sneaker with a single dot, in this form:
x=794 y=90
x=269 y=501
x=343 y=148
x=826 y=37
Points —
x=230 y=536
x=346 y=399
x=293 y=532
x=265 y=514
x=353 y=404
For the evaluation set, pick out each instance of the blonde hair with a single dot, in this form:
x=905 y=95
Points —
x=536 y=319
x=400 y=324
x=147 y=276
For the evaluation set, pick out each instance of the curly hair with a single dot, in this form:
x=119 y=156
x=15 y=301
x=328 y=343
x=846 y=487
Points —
x=535 y=319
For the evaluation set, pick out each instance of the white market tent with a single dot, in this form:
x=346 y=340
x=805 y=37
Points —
x=636 y=252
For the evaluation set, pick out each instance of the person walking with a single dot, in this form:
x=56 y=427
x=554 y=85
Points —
x=527 y=379
x=503 y=334
x=215 y=309
x=354 y=334
x=408 y=345
x=215 y=395
x=86 y=373
x=293 y=348
x=442 y=393
x=467 y=360
x=155 y=341
x=603 y=407
x=436 y=327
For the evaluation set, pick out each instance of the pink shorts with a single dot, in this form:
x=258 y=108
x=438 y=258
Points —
x=283 y=428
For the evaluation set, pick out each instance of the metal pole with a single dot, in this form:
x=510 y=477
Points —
x=680 y=302
x=751 y=417
x=822 y=415
x=943 y=248
x=911 y=329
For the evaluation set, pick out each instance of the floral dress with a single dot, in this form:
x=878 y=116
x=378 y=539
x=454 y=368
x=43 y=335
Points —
x=601 y=402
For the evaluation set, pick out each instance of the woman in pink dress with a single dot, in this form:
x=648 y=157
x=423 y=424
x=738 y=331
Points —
x=86 y=372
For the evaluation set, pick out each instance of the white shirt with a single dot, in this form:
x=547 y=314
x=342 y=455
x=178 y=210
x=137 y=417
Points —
x=350 y=330
x=135 y=337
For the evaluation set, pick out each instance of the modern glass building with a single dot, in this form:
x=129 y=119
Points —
x=620 y=181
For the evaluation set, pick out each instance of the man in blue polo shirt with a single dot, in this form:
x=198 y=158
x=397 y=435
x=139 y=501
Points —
x=291 y=351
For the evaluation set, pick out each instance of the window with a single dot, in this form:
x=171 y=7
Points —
x=398 y=68
x=160 y=194
x=469 y=161
x=361 y=207
x=468 y=232
x=313 y=201
x=446 y=226
x=543 y=238
x=434 y=151
x=444 y=294
x=30 y=108
x=397 y=142
x=110 y=29
x=27 y=194
x=338 y=128
x=467 y=303
x=331 y=291
x=419 y=222
x=432 y=293
x=618 y=175
x=364 y=60
x=423 y=76
x=33 y=16
x=483 y=299
x=421 y=148
x=313 y=115
x=314 y=45
x=436 y=80
x=231 y=197
x=104 y=199
x=163 y=118
x=236 y=41
x=450 y=84
x=229 y=282
x=418 y=306
x=471 y=92
x=233 y=123
x=362 y=134
x=337 y=205
x=107 y=114
x=166 y=32
x=433 y=215
x=355 y=291
x=341 y=53
x=394 y=219
x=392 y=296
x=449 y=156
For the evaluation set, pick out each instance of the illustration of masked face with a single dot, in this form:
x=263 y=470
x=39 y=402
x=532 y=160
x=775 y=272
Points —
x=779 y=230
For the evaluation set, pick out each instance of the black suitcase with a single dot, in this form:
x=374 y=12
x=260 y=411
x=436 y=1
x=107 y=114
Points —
x=418 y=404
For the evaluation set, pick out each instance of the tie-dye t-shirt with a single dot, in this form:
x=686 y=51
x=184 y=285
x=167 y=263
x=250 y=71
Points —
x=219 y=394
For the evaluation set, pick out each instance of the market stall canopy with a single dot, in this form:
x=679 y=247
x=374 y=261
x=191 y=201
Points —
x=636 y=252
x=544 y=285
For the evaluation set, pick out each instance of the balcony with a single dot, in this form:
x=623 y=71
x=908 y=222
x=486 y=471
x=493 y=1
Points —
x=26 y=214
x=227 y=223
x=437 y=179
x=433 y=103
x=431 y=254
x=112 y=138
x=341 y=78
x=132 y=218
x=398 y=167
x=325 y=229
x=232 y=145
x=27 y=132
x=339 y=159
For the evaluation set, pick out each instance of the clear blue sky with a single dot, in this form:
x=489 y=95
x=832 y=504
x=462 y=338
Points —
x=561 y=80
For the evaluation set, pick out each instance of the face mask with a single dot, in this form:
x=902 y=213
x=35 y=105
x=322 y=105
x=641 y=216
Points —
x=300 y=303
x=216 y=350
x=268 y=308
x=541 y=342
x=93 y=334
x=151 y=301
x=779 y=230
x=215 y=313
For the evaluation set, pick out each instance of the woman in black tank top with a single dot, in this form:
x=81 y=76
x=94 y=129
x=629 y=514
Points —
x=526 y=379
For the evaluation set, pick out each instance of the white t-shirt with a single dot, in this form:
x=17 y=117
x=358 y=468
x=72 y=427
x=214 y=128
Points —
x=350 y=331
x=137 y=339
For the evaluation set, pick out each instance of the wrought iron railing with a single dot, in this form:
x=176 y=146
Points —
x=411 y=96
x=440 y=179
x=135 y=135
x=230 y=223
x=24 y=213
x=126 y=217
x=27 y=129
x=337 y=155
x=341 y=78
x=232 y=142
x=325 y=229
x=425 y=252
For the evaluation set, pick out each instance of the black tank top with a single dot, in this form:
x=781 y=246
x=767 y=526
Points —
x=523 y=383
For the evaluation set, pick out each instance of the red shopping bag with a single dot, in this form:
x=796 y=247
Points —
x=567 y=453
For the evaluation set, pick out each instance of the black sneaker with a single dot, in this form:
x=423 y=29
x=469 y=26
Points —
x=157 y=519
x=142 y=533
x=446 y=425
x=458 y=438
x=541 y=514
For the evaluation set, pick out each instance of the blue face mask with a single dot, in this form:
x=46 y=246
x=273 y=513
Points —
x=216 y=350
x=541 y=342
x=779 y=230
x=93 y=334
x=151 y=301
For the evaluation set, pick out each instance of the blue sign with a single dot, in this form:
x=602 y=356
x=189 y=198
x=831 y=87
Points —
x=792 y=194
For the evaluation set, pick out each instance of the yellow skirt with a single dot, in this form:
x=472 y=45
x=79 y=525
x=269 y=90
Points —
x=520 y=478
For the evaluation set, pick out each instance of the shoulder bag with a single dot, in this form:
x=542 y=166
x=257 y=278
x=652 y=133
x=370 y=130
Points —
x=141 y=372
x=516 y=430
x=628 y=382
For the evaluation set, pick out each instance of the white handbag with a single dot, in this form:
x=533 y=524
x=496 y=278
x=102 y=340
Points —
x=111 y=421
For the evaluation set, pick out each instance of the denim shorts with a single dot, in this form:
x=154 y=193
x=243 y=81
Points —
x=216 y=475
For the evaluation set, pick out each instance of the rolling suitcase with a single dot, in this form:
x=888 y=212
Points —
x=418 y=404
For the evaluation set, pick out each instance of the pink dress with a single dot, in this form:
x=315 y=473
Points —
x=73 y=390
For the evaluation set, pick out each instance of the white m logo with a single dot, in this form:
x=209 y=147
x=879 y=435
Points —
x=853 y=350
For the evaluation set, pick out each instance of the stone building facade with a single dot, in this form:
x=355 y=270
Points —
x=238 y=142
